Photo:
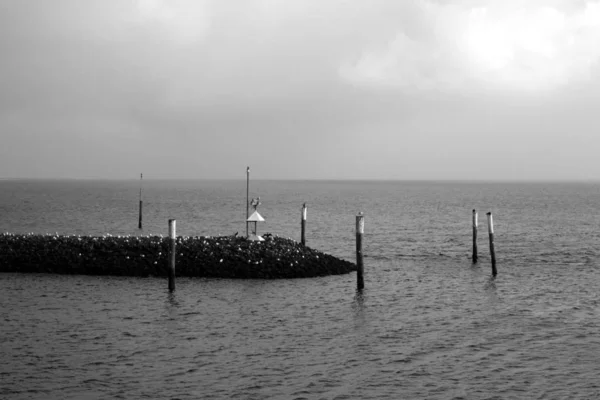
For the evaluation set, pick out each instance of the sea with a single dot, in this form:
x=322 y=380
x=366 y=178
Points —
x=430 y=324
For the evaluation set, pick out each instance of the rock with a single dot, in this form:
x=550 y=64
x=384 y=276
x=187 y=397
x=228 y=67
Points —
x=213 y=257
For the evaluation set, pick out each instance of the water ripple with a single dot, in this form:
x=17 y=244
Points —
x=430 y=324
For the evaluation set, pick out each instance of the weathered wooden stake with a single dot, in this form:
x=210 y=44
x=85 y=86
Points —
x=141 y=203
x=172 y=240
x=360 y=230
x=247 y=197
x=492 y=252
x=474 y=236
x=303 y=226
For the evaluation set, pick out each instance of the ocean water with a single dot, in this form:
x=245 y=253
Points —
x=429 y=323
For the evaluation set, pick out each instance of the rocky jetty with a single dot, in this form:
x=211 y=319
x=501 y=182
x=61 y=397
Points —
x=218 y=257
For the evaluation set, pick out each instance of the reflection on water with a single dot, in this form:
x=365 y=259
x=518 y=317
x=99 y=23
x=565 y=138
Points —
x=490 y=285
x=359 y=301
x=172 y=302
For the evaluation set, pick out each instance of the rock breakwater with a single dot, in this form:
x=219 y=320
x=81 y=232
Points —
x=218 y=257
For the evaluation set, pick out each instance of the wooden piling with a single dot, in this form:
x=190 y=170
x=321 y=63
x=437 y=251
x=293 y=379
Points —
x=492 y=251
x=172 y=241
x=360 y=230
x=303 y=226
x=141 y=203
x=474 y=236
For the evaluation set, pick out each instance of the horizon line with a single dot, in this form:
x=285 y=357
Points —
x=414 y=180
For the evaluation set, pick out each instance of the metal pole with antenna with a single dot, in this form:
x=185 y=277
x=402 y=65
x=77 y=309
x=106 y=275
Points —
x=247 y=198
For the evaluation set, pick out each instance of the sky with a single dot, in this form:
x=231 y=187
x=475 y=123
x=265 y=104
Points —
x=300 y=89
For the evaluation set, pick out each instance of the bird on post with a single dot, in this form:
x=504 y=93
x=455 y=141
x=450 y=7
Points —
x=255 y=203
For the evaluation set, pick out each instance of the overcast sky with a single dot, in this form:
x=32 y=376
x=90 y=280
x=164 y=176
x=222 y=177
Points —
x=300 y=89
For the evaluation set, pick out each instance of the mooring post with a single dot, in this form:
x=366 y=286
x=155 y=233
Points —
x=360 y=230
x=141 y=203
x=474 y=236
x=172 y=239
x=303 y=226
x=492 y=251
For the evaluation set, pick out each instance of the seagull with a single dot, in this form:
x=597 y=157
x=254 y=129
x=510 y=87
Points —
x=255 y=202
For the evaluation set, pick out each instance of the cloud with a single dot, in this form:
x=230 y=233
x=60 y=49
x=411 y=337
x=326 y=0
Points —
x=202 y=81
x=186 y=21
x=498 y=44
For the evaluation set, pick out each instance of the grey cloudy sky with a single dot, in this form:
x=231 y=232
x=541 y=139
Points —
x=301 y=89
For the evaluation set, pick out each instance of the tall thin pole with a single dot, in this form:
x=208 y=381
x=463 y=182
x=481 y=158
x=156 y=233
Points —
x=172 y=246
x=360 y=230
x=474 y=236
x=303 y=225
x=141 y=203
x=247 y=198
x=492 y=251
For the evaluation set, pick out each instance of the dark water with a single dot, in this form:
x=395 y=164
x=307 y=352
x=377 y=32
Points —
x=429 y=324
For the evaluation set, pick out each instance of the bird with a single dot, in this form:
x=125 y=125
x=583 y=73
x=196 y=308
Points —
x=255 y=202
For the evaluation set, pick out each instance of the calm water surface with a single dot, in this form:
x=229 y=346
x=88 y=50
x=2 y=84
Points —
x=429 y=324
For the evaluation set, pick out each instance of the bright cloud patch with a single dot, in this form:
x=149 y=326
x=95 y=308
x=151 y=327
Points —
x=513 y=45
x=185 y=20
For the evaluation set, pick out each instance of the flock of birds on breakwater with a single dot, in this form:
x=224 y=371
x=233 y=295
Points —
x=198 y=256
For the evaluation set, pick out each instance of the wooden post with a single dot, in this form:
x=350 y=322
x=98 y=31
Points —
x=141 y=203
x=360 y=230
x=140 y=219
x=172 y=240
x=474 y=236
x=247 y=197
x=492 y=252
x=303 y=226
